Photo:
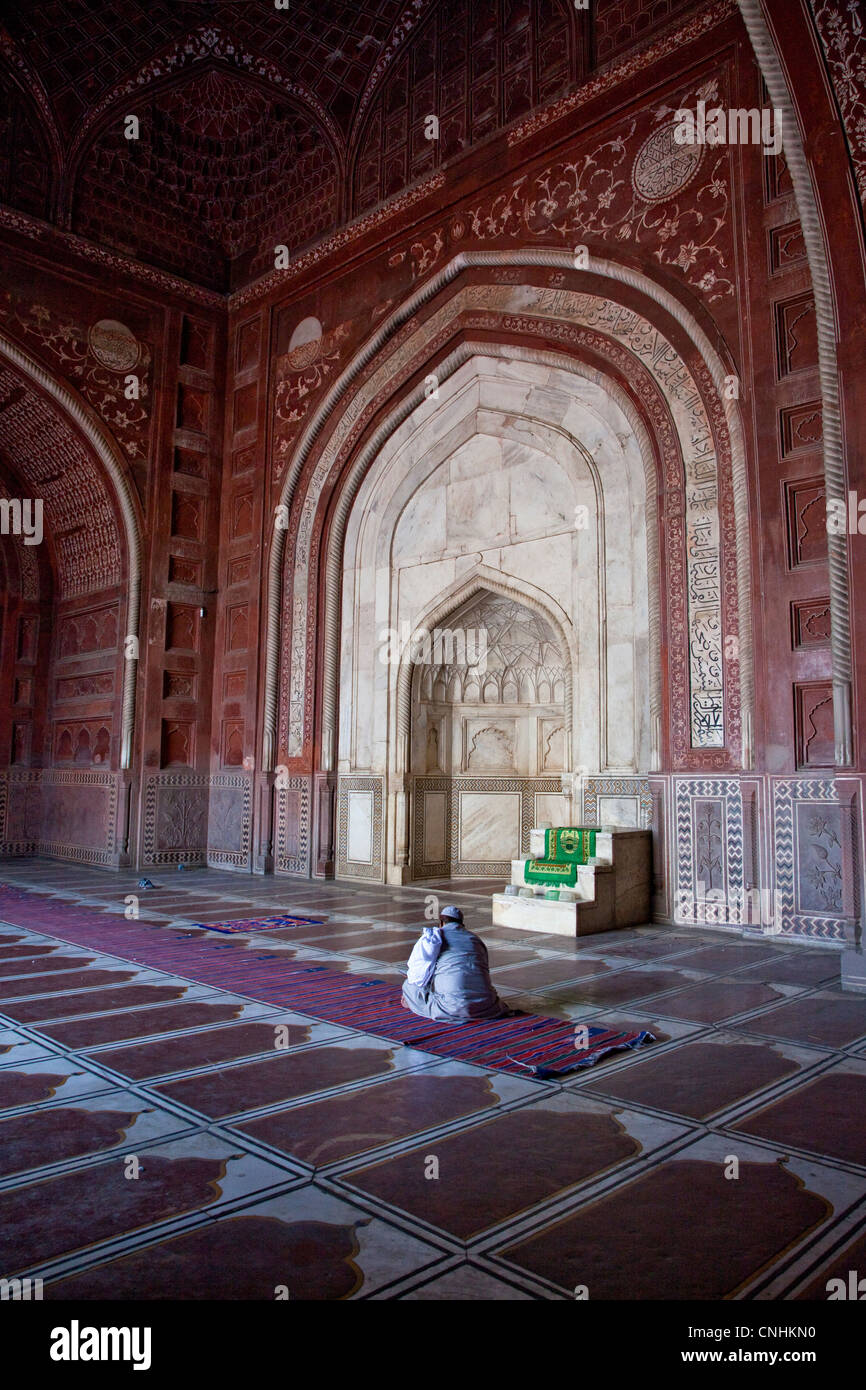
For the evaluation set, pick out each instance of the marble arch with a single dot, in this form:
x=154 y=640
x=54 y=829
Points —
x=304 y=483
x=513 y=396
x=113 y=472
x=406 y=808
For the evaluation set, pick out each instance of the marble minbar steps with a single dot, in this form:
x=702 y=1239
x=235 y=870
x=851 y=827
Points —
x=611 y=892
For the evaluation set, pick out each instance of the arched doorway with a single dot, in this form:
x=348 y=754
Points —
x=70 y=640
x=489 y=731
x=600 y=373
x=495 y=616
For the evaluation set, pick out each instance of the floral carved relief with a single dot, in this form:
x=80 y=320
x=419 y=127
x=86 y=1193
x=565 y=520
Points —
x=701 y=595
x=842 y=28
x=299 y=376
x=73 y=351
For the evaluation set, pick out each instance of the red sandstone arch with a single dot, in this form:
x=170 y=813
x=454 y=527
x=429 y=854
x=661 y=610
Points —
x=314 y=519
x=58 y=452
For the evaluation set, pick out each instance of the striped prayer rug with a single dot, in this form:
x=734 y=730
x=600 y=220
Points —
x=250 y=924
x=524 y=1044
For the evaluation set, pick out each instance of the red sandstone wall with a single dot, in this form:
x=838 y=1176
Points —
x=729 y=246
x=63 y=658
x=207 y=447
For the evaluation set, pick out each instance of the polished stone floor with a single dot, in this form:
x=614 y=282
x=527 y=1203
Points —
x=155 y=1144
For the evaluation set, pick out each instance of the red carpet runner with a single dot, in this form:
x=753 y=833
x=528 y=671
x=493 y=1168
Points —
x=525 y=1044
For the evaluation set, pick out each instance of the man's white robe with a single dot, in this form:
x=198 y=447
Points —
x=449 y=977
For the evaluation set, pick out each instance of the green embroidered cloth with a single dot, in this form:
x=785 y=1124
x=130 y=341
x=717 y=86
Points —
x=564 y=848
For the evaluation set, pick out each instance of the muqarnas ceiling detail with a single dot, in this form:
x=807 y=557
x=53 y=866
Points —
x=221 y=166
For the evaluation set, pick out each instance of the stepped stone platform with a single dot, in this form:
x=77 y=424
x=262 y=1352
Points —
x=611 y=891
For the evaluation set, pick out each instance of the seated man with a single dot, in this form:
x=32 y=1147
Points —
x=449 y=977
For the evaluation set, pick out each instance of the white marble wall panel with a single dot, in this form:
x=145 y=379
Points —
x=360 y=821
x=489 y=826
x=619 y=810
x=490 y=745
x=422 y=529
x=551 y=810
x=435 y=814
x=478 y=510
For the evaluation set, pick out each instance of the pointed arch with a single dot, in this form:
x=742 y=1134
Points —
x=713 y=364
x=114 y=467
x=448 y=605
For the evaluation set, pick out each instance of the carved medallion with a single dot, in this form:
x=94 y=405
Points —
x=113 y=345
x=662 y=167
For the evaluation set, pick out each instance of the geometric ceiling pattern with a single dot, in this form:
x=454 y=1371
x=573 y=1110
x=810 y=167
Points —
x=81 y=48
x=219 y=166
x=48 y=459
x=477 y=67
x=260 y=125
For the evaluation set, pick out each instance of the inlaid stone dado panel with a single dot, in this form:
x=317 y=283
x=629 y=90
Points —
x=292 y=798
x=818 y=858
x=708 y=816
x=229 y=821
x=472 y=827
x=175 y=818
x=79 y=815
x=623 y=801
x=431 y=827
x=360 y=852
x=660 y=794
x=489 y=826
x=20 y=811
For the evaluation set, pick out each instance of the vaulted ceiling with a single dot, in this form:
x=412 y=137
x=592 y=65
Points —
x=260 y=125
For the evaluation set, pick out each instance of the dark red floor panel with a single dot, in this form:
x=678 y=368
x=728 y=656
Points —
x=278 y=1078
x=681 y=1232
x=198 y=1049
